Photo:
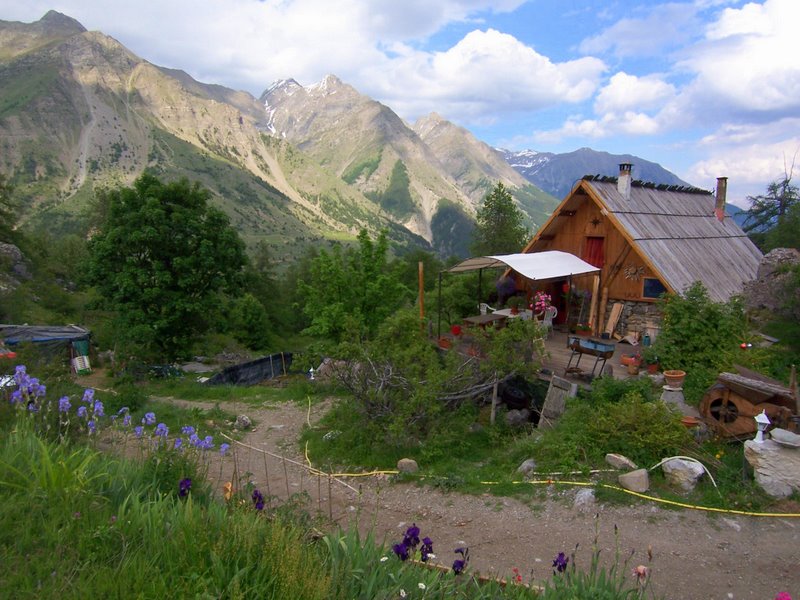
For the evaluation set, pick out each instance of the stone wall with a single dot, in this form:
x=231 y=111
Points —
x=636 y=317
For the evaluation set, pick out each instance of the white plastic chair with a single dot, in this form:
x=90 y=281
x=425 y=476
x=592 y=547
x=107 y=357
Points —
x=547 y=319
x=485 y=308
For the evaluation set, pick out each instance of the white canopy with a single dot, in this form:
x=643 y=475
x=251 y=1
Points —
x=552 y=264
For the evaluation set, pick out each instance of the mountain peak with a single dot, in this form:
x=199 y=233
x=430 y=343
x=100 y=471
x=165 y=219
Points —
x=55 y=21
x=287 y=86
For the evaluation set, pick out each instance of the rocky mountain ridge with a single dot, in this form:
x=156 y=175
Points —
x=295 y=167
x=557 y=173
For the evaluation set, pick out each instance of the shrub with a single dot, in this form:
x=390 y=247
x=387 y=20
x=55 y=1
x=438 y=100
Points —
x=642 y=430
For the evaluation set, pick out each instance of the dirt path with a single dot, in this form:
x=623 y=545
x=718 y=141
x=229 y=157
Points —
x=695 y=555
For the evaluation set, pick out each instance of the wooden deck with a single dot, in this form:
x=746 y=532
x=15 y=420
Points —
x=558 y=355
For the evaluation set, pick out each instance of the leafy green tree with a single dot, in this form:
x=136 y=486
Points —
x=769 y=211
x=352 y=290
x=500 y=225
x=250 y=322
x=160 y=261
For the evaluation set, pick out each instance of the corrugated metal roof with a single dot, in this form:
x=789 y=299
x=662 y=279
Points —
x=675 y=229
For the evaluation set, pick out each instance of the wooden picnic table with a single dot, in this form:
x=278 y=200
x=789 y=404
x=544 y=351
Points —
x=483 y=320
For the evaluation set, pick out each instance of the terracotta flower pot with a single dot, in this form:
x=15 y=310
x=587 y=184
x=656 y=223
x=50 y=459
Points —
x=674 y=378
x=629 y=359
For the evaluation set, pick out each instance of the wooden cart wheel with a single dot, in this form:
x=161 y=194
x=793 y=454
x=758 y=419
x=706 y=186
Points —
x=723 y=410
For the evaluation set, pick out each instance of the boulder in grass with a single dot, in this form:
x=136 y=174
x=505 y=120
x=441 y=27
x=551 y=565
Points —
x=623 y=463
x=243 y=422
x=407 y=465
x=683 y=474
x=527 y=468
x=635 y=481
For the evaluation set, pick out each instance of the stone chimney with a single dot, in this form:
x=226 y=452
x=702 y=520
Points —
x=722 y=192
x=624 y=181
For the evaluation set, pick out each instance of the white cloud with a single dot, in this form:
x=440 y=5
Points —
x=749 y=63
x=622 y=123
x=756 y=153
x=629 y=92
x=666 y=26
x=486 y=73
x=751 y=156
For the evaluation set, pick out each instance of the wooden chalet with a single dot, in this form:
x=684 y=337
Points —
x=647 y=239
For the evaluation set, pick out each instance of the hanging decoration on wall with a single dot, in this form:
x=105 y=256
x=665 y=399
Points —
x=633 y=272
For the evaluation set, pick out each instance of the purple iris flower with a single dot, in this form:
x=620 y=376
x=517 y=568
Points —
x=88 y=396
x=184 y=486
x=187 y=430
x=560 y=563
x=258 y=500
x=149 y=419
x=92 y=426
x=161 y=430
x=427 y=548
x=223 y=449
x=401 y=550
x=126 y=421
x=16 y=397
x=63 y=404
x=194 y=440
x=138 y=430
x=99 y=411
x=82 y=412
x=412 y=536
x=178 y=443
x=461 y=563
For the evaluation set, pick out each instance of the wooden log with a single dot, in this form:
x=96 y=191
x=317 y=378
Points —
x=601 y=313
x=593 y=306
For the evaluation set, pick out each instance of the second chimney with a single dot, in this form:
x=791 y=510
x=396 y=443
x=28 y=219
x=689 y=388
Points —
x=624 y=181
x=722 y=192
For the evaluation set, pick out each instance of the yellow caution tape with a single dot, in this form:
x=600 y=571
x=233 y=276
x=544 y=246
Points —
x=647 y=497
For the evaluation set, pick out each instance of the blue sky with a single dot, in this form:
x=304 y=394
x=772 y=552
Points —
x=707 y=88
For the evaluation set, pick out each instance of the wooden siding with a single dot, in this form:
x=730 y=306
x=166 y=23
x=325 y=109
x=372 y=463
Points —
x=569 y=233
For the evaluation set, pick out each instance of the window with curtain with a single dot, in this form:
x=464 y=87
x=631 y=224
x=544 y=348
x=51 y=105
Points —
x=593 y=251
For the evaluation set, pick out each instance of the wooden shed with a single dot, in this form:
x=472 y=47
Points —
x=647 y=239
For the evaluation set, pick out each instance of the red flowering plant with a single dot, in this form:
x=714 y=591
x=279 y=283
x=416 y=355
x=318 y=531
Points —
x=541 y=301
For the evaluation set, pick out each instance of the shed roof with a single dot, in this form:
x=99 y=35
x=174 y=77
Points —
x=675 y=230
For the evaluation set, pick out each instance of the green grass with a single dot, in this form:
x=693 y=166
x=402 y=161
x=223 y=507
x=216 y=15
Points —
x=293 y=388
x=79 y=532
x=79 y=523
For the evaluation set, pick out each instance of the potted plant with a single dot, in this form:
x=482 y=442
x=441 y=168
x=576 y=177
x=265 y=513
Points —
x=541 y=301
x=650 y=360
x=583 y=329
x=514 y=303
x=674 y=378
x=630 y=359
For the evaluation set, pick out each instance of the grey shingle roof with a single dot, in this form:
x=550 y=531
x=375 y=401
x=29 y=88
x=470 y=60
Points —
x=676 y=230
